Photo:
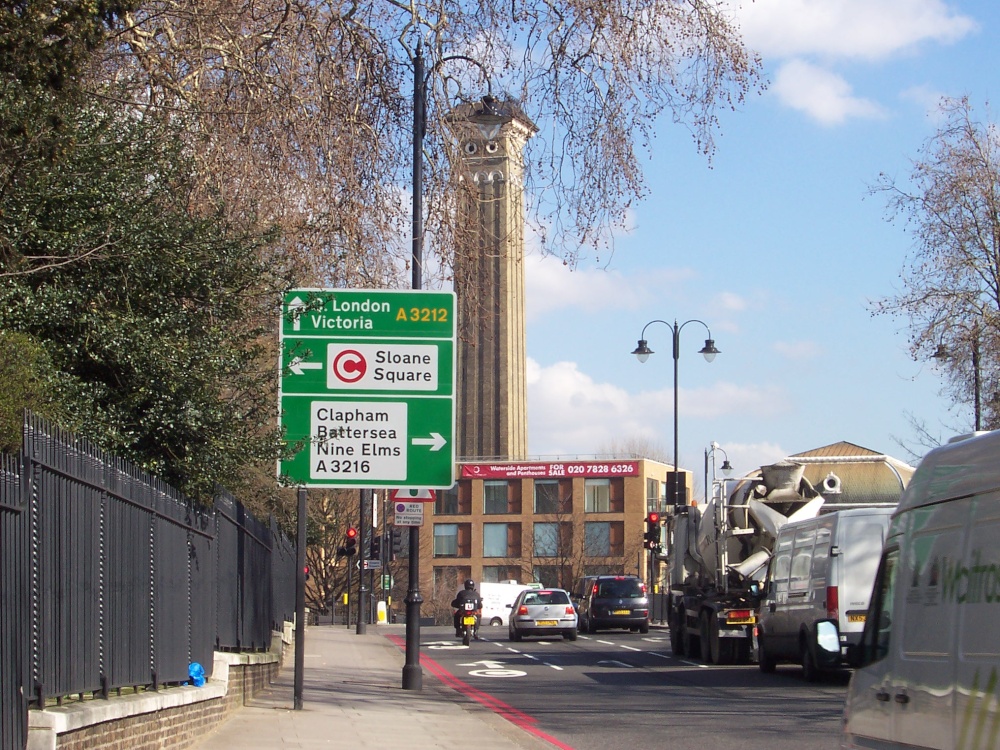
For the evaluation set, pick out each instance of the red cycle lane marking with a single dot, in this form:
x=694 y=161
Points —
x=499 y=707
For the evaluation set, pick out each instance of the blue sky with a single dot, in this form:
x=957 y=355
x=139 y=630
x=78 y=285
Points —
x=776 y=244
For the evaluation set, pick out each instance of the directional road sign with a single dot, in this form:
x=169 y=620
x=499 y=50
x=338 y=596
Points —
x=367 y=388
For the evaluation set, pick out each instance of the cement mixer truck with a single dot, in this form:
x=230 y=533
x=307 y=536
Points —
x=716 y=555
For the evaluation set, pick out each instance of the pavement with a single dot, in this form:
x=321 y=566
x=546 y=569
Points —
x=353 y=697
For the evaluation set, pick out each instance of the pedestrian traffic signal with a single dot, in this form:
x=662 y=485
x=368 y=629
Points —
x=651 y=539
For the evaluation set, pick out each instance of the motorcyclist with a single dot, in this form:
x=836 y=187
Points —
x=467 y=594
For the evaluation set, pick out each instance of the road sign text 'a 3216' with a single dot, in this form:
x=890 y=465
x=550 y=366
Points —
x=367 y=390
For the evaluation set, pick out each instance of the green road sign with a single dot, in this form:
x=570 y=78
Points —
x=368 y=388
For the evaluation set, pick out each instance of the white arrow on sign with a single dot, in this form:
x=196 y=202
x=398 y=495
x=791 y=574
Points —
x=298 y=365
x=293 y=306
x=436 y=441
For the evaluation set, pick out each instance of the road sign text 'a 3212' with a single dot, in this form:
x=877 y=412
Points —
x=367 y=390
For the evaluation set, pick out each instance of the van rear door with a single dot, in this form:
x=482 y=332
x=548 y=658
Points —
x=976 y=583
x=922 y=693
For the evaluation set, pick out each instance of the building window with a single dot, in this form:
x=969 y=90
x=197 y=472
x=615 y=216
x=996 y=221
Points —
x=546 y=540
x=653 y=495
x=604 y=538
x=547 y=575
x=495 y=496
x=597 y=495
x=498 y=573
x=546 y=496
x=494 y=540
x=449 y=579
x=447 y=502
x=446 y=540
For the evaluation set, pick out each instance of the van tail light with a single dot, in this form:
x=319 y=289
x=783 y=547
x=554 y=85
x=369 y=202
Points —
x=832 y=603
x=570 y=610
x=594 y=592
x=522 y=610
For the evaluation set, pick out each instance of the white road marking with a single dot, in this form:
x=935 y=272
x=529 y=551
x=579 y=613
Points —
x=630 y=648
x=608 y=643
x=617 y=663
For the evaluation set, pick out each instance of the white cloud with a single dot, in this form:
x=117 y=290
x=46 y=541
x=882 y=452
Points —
x=821 y=94
x=550 y=284
x=797 y=350
x=729 y=301
x=572 y=414
x=848 y=29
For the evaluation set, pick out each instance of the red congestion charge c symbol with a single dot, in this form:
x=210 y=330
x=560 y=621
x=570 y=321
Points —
x=349 y=366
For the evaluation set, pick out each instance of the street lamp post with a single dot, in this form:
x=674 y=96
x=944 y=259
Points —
x=642 y=352
x=943 y=353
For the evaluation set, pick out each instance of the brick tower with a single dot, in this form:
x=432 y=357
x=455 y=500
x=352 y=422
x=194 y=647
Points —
x=492 y=404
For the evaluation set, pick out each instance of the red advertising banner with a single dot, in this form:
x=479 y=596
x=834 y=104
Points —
x=559 y=470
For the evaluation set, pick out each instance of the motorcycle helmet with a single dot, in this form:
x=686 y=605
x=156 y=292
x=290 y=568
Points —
x=469 y=584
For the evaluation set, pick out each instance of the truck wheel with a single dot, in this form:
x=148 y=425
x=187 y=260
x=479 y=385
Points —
x=721 y=648
x=810 y=672
x=764 y=659
x=677 y=640
x=704 y=631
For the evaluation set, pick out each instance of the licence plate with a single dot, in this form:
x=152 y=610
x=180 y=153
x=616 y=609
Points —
x=622 y=612
x=553 y=623
x=856 y=618
x=469 y=620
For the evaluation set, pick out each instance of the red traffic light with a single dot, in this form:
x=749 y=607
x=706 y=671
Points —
x=352 y=533
x=653 y=517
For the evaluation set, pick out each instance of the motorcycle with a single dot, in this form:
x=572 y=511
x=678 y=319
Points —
x=468 y=621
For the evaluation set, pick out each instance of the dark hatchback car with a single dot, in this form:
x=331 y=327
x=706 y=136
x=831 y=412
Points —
x=612 y=602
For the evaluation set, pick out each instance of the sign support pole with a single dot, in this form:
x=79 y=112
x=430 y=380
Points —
x=364 y=498
x=413 y=677
x=300 y=601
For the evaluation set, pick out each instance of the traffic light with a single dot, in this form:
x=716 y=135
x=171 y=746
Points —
x=350 y=542
x=306 y=572
x=676 y=490
x=375 y=548
x=397 y=541
x=651 y=539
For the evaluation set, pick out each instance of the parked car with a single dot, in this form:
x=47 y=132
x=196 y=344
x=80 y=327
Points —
x=822 y=568
x=542 y=612
x=612 y=602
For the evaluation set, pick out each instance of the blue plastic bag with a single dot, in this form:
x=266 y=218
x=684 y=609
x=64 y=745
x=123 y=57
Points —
x=197 y=674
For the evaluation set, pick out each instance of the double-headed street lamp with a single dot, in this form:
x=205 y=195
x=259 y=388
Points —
x=642 y=352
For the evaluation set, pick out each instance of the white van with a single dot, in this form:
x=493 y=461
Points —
x=928 y=664
x=497 y=598
x=821 y=568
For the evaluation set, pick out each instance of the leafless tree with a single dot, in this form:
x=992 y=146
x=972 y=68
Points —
x=300 y=112
x=950 y=294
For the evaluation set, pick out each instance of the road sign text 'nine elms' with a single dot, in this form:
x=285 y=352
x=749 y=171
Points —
x=367 y=390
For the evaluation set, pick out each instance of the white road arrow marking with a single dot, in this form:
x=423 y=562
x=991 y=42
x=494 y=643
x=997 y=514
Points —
x=436 y=441
x=487 y=664
x=298 y=366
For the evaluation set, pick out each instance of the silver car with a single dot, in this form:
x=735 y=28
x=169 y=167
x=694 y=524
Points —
x=546 y=612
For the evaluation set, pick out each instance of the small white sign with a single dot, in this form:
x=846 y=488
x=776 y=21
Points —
x=409 y=514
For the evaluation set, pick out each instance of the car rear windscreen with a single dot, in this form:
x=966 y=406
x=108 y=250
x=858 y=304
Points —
x=625 y=589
